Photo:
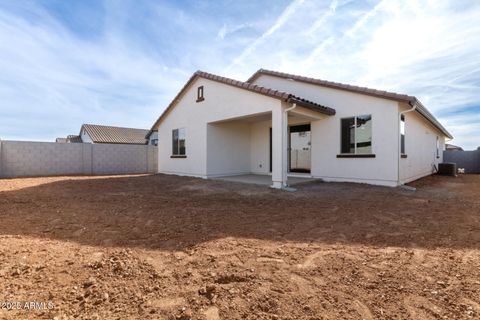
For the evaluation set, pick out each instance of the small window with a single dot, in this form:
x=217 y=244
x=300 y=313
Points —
x=356 y=133
x=200 y=94
x=438 y=147
x=402 y=134
x=178 y=142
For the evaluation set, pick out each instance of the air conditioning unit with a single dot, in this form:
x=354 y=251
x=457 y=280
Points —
x=447 y=169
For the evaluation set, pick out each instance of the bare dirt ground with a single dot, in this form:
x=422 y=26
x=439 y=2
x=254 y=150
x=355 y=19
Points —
x=165 y=247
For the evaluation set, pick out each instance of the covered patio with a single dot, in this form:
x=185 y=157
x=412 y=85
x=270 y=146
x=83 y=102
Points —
x=257 y=148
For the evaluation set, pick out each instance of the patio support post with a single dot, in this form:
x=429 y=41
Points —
x=279 y=145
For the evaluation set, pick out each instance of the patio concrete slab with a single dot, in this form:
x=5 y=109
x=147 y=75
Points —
x=265 y=180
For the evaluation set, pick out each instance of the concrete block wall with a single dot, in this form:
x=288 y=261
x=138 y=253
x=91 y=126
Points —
x=470 y=160
x=113 y=158
x=87 y=158
x=25 y=158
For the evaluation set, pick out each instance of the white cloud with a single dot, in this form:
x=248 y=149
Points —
x=279 y=22
x=227 y=30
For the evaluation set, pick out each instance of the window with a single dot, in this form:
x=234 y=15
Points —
x=178 y=142
x=402 y=134
x=356 y=135
x=154 y=142
x=438 y=148
x=200 y=94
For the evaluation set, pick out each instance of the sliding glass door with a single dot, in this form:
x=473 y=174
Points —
x=300 y=148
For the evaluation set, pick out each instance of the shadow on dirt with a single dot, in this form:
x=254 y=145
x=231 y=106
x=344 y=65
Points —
x=173 y=213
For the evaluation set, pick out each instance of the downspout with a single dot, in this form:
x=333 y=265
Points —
x=285 y=147
x=414 y=107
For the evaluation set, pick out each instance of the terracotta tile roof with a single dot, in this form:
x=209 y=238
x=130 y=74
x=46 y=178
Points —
x=109 y=134
x=284 y=96
x=334 y=85
x=412 y=100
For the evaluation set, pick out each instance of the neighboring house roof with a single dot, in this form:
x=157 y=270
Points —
x=412 y=100
x=108 y=134
x=74 y=139
x=449 y=146
x=61 y=140
x=284 y=96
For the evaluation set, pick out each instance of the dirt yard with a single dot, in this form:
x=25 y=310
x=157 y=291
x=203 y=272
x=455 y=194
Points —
x=164 y=247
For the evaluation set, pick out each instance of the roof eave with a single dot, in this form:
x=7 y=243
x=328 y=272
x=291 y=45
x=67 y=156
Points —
x=420 y=108
x=312 y=106
x=177 y=97
x=274 y=94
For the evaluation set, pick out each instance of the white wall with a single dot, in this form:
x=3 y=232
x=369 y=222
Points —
x=85 y=137
x=221 y=102
x=420 y=147
x=228 y=148
x=326 y=133
x=260 y=147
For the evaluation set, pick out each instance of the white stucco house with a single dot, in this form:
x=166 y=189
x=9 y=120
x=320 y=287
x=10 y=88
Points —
x=281 y=125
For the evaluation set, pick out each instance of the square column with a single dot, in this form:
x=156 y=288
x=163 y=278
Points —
x=279 y=148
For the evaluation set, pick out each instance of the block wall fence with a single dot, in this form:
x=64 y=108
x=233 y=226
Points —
x=34 y=159
x=469 y=160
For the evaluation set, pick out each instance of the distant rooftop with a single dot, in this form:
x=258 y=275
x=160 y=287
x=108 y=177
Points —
x=109 y=134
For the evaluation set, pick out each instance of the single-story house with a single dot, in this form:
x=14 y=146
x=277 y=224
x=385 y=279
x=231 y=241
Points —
x=94 y=133
x=286 y=125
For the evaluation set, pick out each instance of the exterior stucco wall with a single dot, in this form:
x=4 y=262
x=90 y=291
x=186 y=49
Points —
x=260 y=147
x=221 y=102
x=420 y=147
x=25 y=158
x=228 y=148
x=326 y=133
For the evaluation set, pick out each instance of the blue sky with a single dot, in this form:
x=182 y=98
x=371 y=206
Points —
x=120 y=62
